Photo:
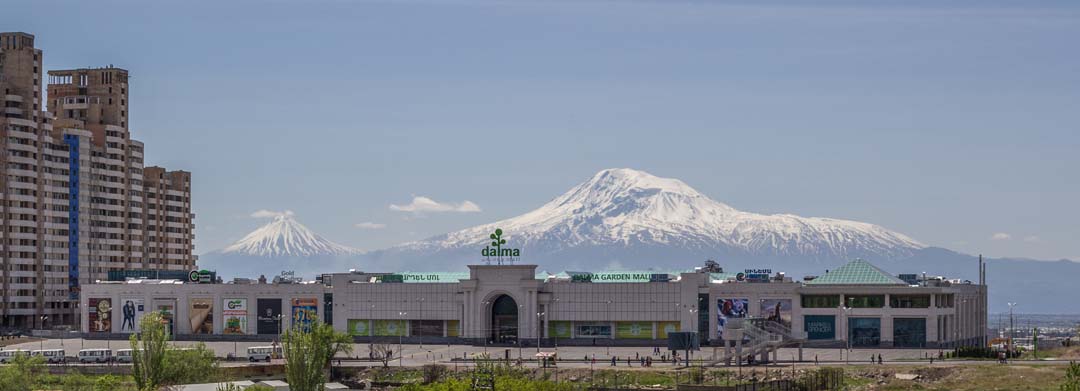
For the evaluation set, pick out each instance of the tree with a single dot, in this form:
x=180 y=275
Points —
x=22 y=374
x=308 y=354
x=382 y=352
x=155 y=365
x=189 y=366
x=1072 y=378
x=148 y=350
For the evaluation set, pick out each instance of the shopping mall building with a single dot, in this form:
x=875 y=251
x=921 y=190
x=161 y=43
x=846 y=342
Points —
x=856 y=304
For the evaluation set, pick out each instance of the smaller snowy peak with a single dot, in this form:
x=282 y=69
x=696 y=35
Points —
x=286 y=237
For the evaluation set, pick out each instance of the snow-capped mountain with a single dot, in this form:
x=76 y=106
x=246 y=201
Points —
x=283 y=244
x=625 y=217
x=286 y=237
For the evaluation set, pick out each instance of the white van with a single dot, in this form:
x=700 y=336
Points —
x=95 y=356
x=123 y=355
x=51 y=356
x=7 y=356
x=263 y=353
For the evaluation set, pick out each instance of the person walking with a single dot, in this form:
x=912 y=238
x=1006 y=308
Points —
x=879 y=359
x=612 y=360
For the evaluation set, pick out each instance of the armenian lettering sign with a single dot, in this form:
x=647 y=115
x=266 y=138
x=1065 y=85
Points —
x=421 y=277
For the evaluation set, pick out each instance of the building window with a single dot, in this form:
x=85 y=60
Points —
x=866 y=301
x=820 y=301
x=909 y=301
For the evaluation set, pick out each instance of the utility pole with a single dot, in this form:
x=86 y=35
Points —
x=1011 y=325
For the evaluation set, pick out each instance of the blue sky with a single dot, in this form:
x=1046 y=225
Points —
x=948 y=121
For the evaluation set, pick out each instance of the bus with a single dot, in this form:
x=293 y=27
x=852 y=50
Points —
x=51 y=356
x=95 y=356
x=123 y=355
x=7 y=356
x=263 y=353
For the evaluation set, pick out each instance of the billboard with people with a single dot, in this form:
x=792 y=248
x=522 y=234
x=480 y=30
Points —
x=729 y=309
x=777 y=310
x=131 y=311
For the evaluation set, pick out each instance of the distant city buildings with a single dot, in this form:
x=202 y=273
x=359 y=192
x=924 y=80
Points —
x=75 y=199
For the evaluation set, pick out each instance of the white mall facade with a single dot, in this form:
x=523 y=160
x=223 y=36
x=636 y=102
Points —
x=511 y=304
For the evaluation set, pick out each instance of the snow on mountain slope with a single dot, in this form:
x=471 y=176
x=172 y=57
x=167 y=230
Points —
x=285 y=237
x=631 y=209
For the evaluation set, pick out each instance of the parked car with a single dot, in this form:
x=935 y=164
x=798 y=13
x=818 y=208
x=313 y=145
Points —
x=87 y=356
x=52 y=356
x=7 y=356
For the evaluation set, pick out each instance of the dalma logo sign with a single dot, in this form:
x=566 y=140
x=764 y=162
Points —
x=495 y=249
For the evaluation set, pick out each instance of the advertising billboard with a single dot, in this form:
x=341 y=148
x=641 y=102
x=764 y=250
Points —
x=359 y=327
x=729 y=309
x=777 y=310
x=559 y=329
x=633 y=330
x=453 y=328
x=167 y=309
x=820 y=326
x=268 y=312
x=201 y=316
x=390 y=328
x=665 y=328
x=305 y=311
x=99 y=314
x=131 y=311
x=234 y=312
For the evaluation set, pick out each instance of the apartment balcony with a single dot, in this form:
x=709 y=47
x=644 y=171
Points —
x=13 y=111
x=13 y=98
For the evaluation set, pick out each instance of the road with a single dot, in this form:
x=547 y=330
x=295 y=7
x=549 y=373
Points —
x=570 y=356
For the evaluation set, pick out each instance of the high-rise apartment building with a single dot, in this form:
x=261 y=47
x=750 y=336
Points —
x=75 y=199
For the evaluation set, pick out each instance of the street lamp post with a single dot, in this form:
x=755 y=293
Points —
x=43 y=319
x=847 y=329
x=1011 y=327
x=420 y=332
x=401 y=353
x=538 y=315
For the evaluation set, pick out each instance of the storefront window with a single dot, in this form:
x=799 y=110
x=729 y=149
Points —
x=820 y=301
x=593 y=330
x=864 y=332
x=866 y=301
x=909 y=332
x=820 y=326
x=909 y=301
